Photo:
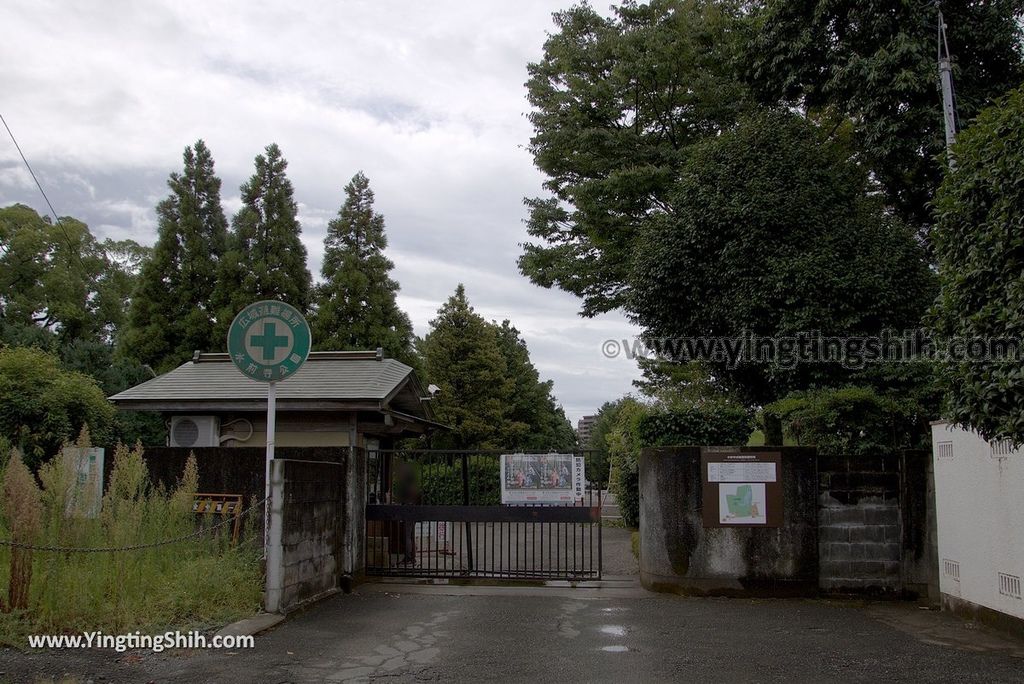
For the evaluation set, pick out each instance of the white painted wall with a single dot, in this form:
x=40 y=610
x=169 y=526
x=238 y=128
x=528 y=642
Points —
x=979 y=505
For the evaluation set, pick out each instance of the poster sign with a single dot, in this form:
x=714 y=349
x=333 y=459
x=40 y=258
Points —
x=84 y=468
x=741 y=488
x=542 y=478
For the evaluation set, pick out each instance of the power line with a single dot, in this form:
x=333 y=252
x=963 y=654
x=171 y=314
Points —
x=53 y=212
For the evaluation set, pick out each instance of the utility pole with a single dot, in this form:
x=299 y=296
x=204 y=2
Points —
x=948 y=98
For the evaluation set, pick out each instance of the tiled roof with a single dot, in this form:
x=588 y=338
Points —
x=326 y=376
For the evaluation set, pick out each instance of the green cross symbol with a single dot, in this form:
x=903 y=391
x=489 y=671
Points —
x=269 y=341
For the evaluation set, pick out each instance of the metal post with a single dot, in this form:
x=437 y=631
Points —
x=271 y=429
x=948 y=101
x=465 y=502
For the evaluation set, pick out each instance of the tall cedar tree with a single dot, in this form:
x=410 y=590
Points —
x=265 y=257
x=172 y=312
x=464 y=360
x=356 y=306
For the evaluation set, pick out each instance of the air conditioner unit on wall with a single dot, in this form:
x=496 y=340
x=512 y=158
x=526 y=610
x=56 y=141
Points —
x=195 y=431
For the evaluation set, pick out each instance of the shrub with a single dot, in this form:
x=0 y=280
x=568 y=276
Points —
x=980 y=249
x=640 y=425
x=851 y=420
x=715 y=423
x=42 y=406
x=440 y=482
x=151 y=588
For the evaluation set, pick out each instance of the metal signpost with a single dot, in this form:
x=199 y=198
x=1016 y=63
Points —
x=268 y=341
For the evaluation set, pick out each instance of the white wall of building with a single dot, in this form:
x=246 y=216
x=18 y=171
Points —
x=979 y=504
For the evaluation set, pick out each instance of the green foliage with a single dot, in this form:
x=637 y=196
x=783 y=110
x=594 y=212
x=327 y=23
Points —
x=772 y=230
x=980 y=247
x=855 y=421
x=440 y=482
x=616 y=102
x=536 y=421
x=42 y=405
x=462 y=357
x=58 y=280
x=624 y=445
x=877 y=69
x=151 y=589
x=265 y=258
x=636 y=425
x=695 y=425
x=356 y=306
x=172 y=310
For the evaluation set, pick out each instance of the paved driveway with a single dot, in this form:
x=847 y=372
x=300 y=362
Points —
x=615 y=634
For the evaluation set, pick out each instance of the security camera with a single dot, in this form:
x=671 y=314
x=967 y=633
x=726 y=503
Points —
x=433 y=389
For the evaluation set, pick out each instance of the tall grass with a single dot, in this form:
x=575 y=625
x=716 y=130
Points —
x=200 y=582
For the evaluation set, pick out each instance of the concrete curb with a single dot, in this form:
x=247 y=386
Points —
x=251 y=626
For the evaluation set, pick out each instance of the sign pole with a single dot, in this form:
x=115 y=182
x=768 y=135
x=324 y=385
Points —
x=268 y=341
x=271 y=430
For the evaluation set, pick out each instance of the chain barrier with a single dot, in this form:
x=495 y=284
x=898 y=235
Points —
x=135 y=547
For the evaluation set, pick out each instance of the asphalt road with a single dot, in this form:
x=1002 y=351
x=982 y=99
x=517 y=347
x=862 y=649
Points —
x=411 y=634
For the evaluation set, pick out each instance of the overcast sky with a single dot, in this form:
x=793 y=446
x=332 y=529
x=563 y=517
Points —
x=426 y=98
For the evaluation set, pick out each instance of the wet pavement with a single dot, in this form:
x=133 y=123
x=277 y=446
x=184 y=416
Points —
x=612 y=632
x=409 y=634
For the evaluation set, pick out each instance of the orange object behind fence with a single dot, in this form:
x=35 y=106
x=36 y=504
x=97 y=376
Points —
x=221 y=504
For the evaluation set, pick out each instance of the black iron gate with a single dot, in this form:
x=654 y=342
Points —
x=439 y=514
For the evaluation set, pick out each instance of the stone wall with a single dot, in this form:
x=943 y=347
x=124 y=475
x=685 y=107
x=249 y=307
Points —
x=859 y=530
x=852 y=524
x=317 y=529
x=677 y=553
x=311 y=532
x=876 y=525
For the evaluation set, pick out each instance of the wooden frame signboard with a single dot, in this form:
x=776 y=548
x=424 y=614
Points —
x=741 y=488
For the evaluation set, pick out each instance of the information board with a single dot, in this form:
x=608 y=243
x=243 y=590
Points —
x=741 y=488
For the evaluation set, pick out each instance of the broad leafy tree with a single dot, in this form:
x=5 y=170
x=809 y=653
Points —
x=172 y=311
x=771 y=230
x=616 y=102
x=980 y=245
x=876 y=68
x=265 y=258
x=355 y=304
x=42 y=405
x=57 y=280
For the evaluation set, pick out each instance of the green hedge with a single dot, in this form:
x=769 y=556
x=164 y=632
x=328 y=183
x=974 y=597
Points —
x=709 y=424
x=441 y=483
x=851 y=420
x=640 y=425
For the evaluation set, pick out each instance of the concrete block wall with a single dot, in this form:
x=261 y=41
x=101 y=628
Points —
x=853 y=524
x=859 y=524
x=317 y=528
x=311 y=538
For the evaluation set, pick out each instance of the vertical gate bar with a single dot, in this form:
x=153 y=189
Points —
x=600 y=534
x=465 y=502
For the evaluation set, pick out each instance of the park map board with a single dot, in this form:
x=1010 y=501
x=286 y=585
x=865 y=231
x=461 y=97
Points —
x=741 y=488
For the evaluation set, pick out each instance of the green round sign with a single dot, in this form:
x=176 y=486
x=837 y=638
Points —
x=269 y=340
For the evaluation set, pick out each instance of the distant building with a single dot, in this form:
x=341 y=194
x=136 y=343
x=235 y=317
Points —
x=583 y=430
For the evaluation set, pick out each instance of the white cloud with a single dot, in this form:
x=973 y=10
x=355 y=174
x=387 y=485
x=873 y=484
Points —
x=427 y=99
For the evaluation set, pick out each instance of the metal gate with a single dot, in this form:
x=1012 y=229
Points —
x=439 y=514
